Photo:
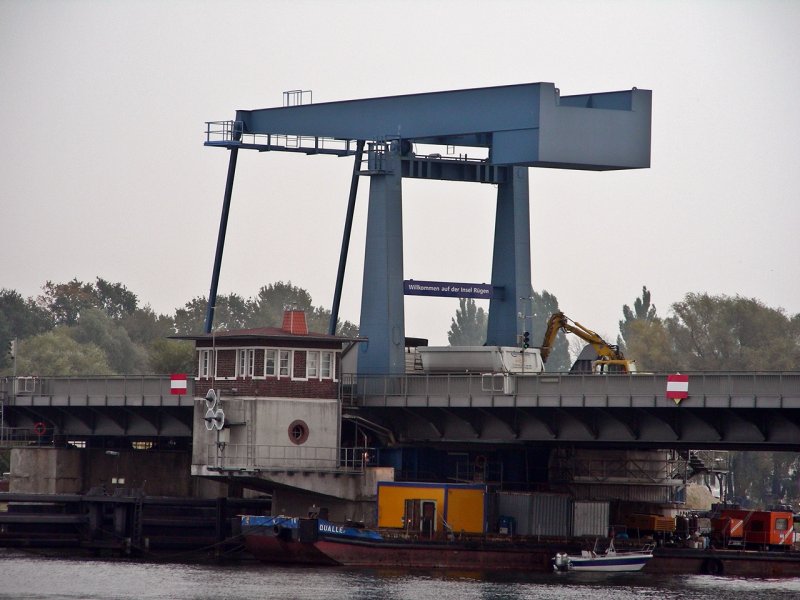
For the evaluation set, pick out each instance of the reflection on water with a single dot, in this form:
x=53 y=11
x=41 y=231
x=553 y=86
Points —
x=24 y=577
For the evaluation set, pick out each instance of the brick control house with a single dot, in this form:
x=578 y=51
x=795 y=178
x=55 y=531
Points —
x=278 y=389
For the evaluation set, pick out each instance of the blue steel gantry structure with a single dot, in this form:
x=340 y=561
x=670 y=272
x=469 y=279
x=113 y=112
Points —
x=518 y=126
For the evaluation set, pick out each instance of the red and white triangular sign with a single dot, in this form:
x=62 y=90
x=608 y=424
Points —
x=677 y=387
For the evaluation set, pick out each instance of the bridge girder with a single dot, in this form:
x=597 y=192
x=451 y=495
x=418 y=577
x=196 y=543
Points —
x=80 y=422
x=731 y=429
x=530 y=124
x=547 y=420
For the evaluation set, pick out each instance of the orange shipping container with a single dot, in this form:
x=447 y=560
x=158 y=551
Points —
x=432 y=508
x=650 y=523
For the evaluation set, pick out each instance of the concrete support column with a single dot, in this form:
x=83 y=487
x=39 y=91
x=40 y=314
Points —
x=382 y=308
x=511 y=264
x=121 y=520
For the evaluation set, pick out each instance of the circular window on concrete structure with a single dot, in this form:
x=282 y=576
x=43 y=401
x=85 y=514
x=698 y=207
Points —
x=298 y=432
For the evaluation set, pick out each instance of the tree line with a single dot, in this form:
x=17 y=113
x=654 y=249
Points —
x=711 y=333
x=101 y=328
x=703 y=333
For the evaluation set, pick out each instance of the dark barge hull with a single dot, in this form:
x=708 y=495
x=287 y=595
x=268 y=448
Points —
x=490 y=556
x=734 y=563
x=506 y=555
x=124 y=524
x=433 y=555
x=273 y=549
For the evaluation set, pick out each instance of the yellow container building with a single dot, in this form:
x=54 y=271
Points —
x=429 y=509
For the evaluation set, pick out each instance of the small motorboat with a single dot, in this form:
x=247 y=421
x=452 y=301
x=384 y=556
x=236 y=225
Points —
x=608 y=561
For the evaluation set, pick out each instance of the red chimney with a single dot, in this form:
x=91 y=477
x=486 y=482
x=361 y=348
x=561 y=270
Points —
x=294 y=321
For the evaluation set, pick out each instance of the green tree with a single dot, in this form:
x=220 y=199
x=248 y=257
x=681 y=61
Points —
x=732 y=334
x=644 y=337
x=270 y=302
x=65 y=301
x=643 y=311
x=96 y=328
x=346 y=328
x=543 y=305
x=190 y=319
x=19 y=318
x=56 y=353
x=115 y=299
x=752 y=474
x=172 y=356
x=764 y=478
x=468 y=327
x=649 y=343
x=144 y=326
x=319 y=319
x=265 y=309
x=231 y=312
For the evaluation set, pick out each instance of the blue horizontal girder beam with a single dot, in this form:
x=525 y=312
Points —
x=525 y=125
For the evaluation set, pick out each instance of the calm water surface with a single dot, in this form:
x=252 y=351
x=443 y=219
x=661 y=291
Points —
x=24 y=577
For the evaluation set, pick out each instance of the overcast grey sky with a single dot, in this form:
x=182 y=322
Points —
x=103 y=171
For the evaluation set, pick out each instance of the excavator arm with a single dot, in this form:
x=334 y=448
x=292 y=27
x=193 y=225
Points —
x=606 y=352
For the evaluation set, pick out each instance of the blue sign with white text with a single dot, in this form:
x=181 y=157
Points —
x=447 y=289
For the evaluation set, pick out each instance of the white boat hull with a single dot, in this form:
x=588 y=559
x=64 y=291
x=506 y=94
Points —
x=615 y=565
x=610 y=562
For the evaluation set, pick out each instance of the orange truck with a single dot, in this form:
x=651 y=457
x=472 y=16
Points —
x=756 y=527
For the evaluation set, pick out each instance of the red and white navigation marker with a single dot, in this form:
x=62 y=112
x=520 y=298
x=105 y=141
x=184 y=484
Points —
x=677 y=387
x=177 y=383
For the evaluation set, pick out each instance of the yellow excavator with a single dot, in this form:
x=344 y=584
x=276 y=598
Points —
x=598 y=357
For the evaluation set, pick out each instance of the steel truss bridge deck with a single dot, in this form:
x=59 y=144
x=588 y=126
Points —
x=723 y=410
x=137 y=407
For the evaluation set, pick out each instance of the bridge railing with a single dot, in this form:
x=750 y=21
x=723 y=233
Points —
x=17 y=436
x=228 y=133
x=135 y=390
x=265 y=457
x=653 y=468
x=706 y=389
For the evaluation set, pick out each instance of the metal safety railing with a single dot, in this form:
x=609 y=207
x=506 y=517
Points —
x=265 y=457
x=232 y=133
x=297 y=97
x=713 y=461
x=141 y=390
x=667 y=469
x=479 y=471
x=19 y=436
x=715 y=390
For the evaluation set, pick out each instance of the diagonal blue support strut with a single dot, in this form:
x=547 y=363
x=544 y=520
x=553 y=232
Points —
x=223 y=227
x=348 y=227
